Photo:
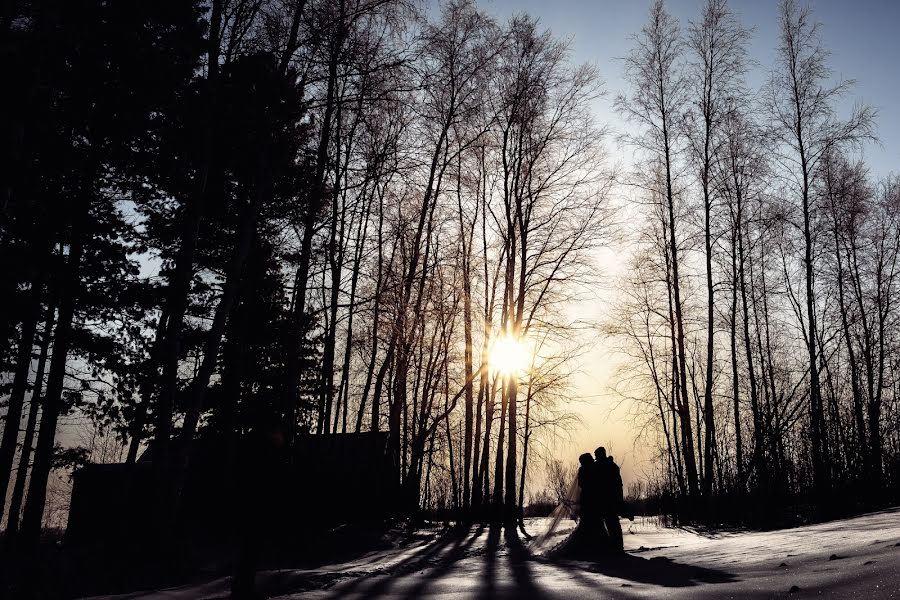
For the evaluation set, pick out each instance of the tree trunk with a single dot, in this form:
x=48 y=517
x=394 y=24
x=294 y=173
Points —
x=674 y=390
x=482 y=450
x=467 y=325
x=708 y=410
x=684 y=410
x=498 y=461
x=465 y=257
x=454 y=483
x=477 y=471
x=510 y=508
x=851 y=354
x=317 y=196
x=735 y=380
x=16 y=399
x=816 y=416
x=484 y=468
x=335 y=264
x=33 y=515
x=748 y=350
x=376 y=314
x=335 y=267
x=520 y=515
x=15 y=504
x=344 y=389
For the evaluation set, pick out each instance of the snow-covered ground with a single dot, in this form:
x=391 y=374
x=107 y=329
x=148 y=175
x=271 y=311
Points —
x=851 y=558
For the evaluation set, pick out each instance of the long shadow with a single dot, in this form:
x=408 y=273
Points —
x=489 y=577
x=519 y=563
x=446 y=562
x=659 y=571
x=438 y=558
x=381 y=582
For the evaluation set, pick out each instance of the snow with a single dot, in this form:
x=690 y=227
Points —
x=850 y=558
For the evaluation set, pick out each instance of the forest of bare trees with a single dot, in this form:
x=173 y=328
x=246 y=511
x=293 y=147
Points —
x=758 y=316
x=328 y=213
x=347 y=215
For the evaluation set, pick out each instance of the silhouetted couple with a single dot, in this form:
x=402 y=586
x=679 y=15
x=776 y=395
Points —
x=601 y=502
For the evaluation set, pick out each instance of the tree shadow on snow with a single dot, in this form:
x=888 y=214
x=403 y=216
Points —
x=507 y=570
x=519 y=564
x=659 y=571
x=441 y=565
x=442 y=552
x=516 y=561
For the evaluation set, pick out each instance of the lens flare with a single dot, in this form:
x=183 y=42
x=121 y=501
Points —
x=509 y=355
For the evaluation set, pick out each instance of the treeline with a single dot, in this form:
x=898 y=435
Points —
x=760 y=312
x=319 y=213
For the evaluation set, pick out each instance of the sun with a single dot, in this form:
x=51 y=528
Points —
x=509 y=355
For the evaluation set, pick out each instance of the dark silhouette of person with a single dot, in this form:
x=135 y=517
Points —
x=609 y=497
x=589 y=540
x=587 y=481
x=615 y=493
x=586 y=542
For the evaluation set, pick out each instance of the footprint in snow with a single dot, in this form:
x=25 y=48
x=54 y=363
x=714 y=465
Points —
x=794 y=589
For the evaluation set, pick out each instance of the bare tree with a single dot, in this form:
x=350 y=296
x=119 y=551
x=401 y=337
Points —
x=717 y=45
x=655 y=71
x=802 y=107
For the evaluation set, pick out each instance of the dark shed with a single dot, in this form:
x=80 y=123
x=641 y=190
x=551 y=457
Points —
x=325 y=481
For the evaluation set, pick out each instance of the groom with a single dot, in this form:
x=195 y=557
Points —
x=608 y=496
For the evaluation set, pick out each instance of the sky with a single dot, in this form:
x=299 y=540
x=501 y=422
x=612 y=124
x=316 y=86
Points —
x=864 y=45
x=863 y=38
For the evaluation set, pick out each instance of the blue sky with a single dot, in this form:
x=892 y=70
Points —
x=862 y=35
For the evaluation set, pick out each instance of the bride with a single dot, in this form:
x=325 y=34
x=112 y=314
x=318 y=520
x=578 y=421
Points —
x=589 y=539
